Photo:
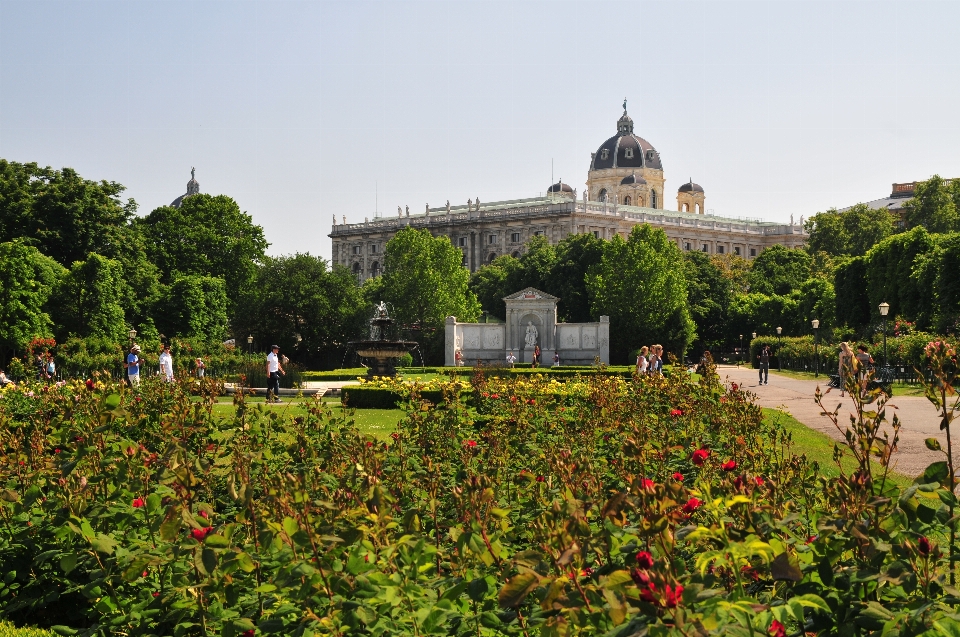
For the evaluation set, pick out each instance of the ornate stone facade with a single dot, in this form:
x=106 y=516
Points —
x=625 y=187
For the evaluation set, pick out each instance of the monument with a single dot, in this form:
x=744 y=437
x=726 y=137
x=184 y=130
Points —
x=531 y=321
x=382 y=351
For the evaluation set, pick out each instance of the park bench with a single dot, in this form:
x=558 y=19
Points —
x=883 y=378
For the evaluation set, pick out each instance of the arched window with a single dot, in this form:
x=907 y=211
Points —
x=602 y=195
x=653 y=198
x=493 y=255
x=627 y=200
x=697 y=208
x=516 y=254
x=358 y=270
x=685 y=208
x=375 y=269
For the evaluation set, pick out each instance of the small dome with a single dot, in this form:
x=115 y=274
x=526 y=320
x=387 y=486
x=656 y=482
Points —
x=690 y=187
x=560 y=187
x=193 y=188
x=633 y=180
x=625 y=150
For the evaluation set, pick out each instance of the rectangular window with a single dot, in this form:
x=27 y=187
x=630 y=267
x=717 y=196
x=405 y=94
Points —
x=686 y=246
x=493 y=239
x=704 y=248
x=515 y=237
x=719 y=249
x=736 y=251
x=373 y=249
x=464 y=262
x=753 y=252
x=463 y=242
x=596 y=233
x=538 y=233
x=357 y=249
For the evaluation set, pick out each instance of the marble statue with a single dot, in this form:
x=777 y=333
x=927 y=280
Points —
x=382 y=310
x=469 y=204
x=791 y=219
x=801 y=220
x=399 y=211
x=408 y=210
x=478 y=204
x=530 y=339
x=344 y=219
x=427 y=211
x=448 y=206
x=334 y=219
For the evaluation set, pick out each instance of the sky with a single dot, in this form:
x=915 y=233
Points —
x=304 y=110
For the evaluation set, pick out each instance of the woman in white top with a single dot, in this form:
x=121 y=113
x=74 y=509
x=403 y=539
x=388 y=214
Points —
x=845 y=368
x=166 y=363
x=642 y=362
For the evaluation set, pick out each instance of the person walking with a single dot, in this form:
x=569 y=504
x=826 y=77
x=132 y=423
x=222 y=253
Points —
x=656 y=359
x=511 y=359
x=133 y=366
x=201 y=368
x=536 y=355
x=274 y=370
x=556 y=359
x=458 y=359
x=845 y=366
x=764 y=357
x=41 y=367
x=51 y=368
x=166 y=364
x=865 y=364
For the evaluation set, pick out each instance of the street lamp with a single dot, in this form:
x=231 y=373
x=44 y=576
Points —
x=740 y=357
x=779 y=345
x=816 y=341
x=884 y=309
x=132 y=335
x=250 y=344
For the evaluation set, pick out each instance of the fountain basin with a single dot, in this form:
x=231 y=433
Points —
x=383 y=355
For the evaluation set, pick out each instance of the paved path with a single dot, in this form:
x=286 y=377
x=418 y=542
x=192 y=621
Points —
x=917 y=416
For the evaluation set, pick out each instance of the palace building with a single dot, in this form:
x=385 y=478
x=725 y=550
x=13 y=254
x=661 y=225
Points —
x=625 y=187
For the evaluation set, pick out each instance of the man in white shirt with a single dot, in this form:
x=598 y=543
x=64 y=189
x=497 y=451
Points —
x=274 y=369
x=166 y=364
x=511 y=359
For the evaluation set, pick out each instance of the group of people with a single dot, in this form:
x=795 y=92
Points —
x=845 y=369
x=46 y=366
x=650 y=359
x=134 y=364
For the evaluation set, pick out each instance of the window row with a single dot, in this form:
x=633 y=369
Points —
x=358 y=249
x=705 y=247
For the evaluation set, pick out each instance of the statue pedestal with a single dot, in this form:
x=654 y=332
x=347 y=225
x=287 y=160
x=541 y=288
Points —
x=526 y=356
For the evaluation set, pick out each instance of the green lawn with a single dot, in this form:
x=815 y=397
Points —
x=9 y=630
x=379 y=423
x=819 y=447
x=899 y=389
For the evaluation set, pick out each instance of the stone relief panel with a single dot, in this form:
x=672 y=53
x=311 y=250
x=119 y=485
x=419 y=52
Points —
x=493 y=337
x=569 y=337
x=589 y=338
x=471 y=337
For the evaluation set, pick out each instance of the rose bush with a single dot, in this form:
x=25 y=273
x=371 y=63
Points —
x=607 y=507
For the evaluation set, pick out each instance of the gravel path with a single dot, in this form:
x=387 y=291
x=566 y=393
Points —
x=917 y=416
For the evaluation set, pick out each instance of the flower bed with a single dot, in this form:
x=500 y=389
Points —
x=604 y=506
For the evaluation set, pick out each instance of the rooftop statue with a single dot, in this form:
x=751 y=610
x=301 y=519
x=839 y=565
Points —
x=408 y=211
x=399 y=211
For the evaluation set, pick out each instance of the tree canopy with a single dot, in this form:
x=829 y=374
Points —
x=27 y=280
x=849 y=233
x=779 y=270
x=935 y=206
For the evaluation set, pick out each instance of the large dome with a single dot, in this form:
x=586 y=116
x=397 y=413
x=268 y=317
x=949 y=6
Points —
x=626 y=150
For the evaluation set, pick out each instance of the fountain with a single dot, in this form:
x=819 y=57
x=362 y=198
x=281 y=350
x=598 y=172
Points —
x=380 y=349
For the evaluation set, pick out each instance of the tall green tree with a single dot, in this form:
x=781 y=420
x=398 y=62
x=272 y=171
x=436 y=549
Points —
x=27 y=280
x=88 y=300
x=852 y=301
x=193 y=306
x=425 y=282
x=779 y=270
x=208 y=236
x=935 y=206
x=492 y=282
x=851 y=232
x=889 y=273
x=63 y=214
x=708 y=297
x=308 y=309
x=640 y=284
x=567 y=279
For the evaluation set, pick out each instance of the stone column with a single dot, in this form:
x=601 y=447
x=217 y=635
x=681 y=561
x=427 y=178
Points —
x=603 y=339
x=450 y=347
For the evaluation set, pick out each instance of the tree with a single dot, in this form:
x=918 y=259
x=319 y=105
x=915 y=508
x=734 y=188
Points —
x=779 y=270
x=425 y=282
x=763 y=314
x=195 y=307
x=27 y=279
x=890 y=267
x=850 y=284
x=300 y=304
x=567 y=279
x=61 y=213
x=816 y=299
x=935 y=206
x=708 y=297
x=88 y=300
x=639 y=283
x=209 y=236
x=734 y=269
x=492 y=282
x=849 y=233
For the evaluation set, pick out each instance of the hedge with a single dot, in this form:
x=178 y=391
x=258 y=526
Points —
x=798 y=352
x=9 y=630
x=360 y=397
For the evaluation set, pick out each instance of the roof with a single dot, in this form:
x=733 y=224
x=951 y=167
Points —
x=530 y=293
x=890 y=203
x=559 y=187
x=630 y=180
x=625 y=150
x=690 y=187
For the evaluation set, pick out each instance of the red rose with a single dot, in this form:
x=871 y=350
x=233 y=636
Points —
x=676 y=413
x=734 y=386
x=90 y=383
x=201 y=533
x=533 y=401
x=203 y=514
x=495 y=396
x=644 y=560
x=759 y=481
x=137 y=503
x=369 y=444
x=700 y=456
x=729 y=465
x=672 y=596
x=777 y=629
x=647 y=483
x=471 y=443
x=678 y=476
x=539 y=478
x=395 y=436
x=692 y=505
x=513 y=399
x=248 y=633
x=156 y=593
x=923 y=546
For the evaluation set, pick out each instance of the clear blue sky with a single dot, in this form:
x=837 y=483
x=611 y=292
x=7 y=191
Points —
x=302 y=110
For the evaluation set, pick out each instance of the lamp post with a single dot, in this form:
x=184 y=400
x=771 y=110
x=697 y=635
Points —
x=884 y=309
x=250 y=344
x=740 y=357
x=816 y=341
x=779 y=345
x=132 y=335
x=753 y=337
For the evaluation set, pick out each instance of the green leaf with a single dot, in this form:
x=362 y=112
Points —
x=933 y=444
x=216 y=541
x=103 y=544
x=209 y=558
x=245 y=562
x=68 y=562
x=290 y=526
x=785 y=567
x=937 y=472
x=112 y=401
x=515 y=590
x=64 y=630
